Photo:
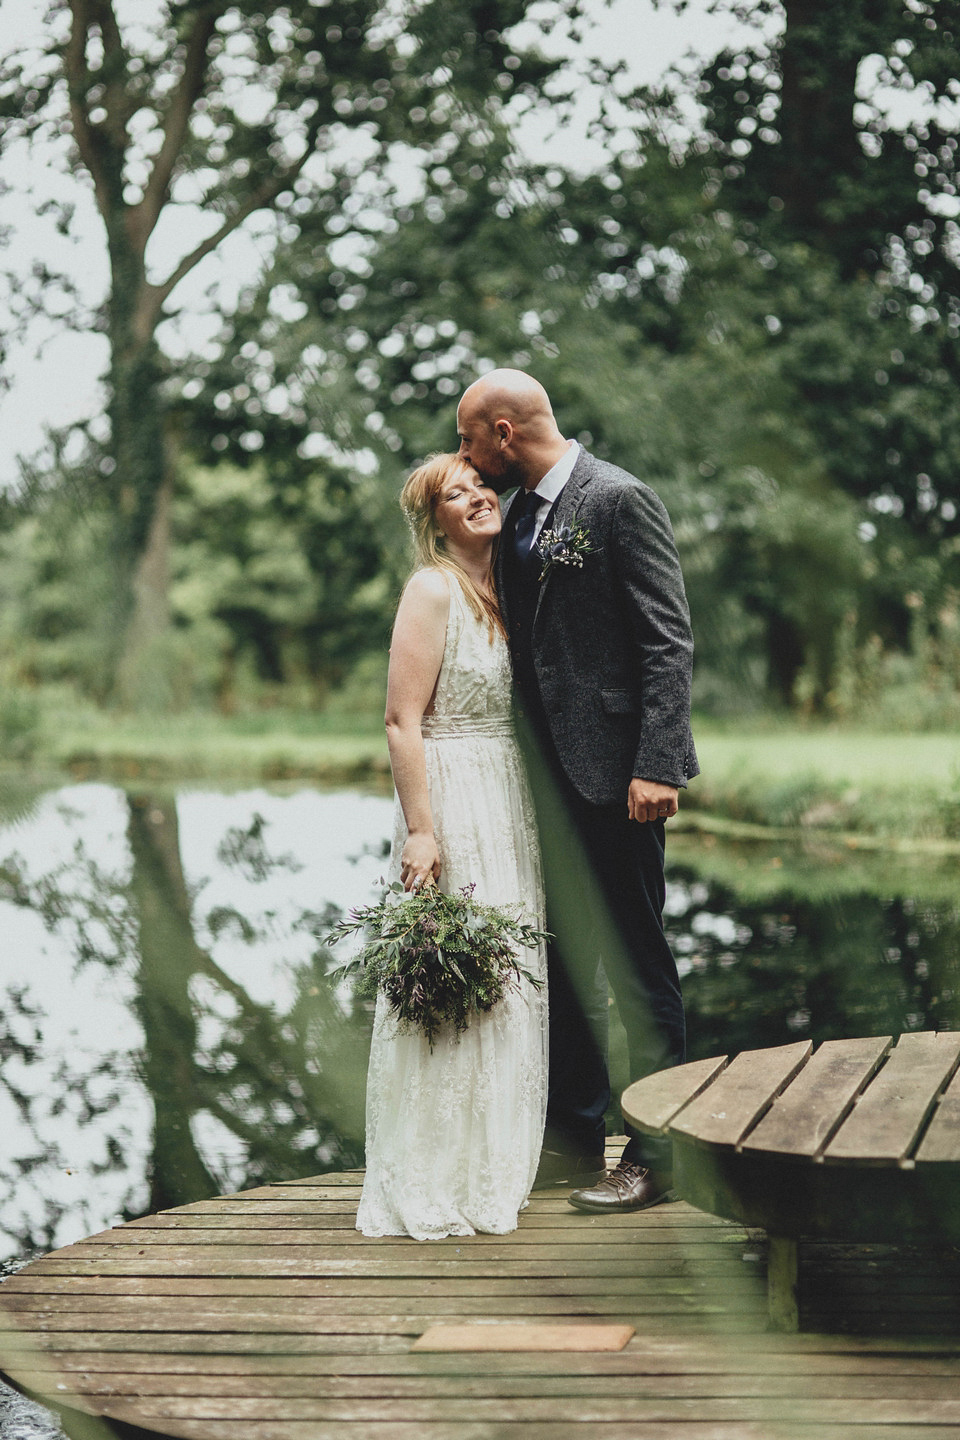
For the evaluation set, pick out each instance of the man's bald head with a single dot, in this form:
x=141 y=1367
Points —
x=512 y=393
x=507 y=429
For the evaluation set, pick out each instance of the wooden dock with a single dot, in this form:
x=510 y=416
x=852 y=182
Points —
x=265 y=1316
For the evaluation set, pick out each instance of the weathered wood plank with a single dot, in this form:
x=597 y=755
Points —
x=669 y=1354
x=741 y=1093
x=885 y=1125
x=803 y=1117
x=291 y=1261
x=560 y=1430
x=533 y=1242
x=321 y=1387
x=311 y=1318
x=543 y=1229
x=941 y=1143
x=590 y=1410
x=651 y=1103
x=362 y=1311
x=403 y=1289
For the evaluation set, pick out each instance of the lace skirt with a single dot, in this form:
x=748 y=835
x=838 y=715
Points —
x=454 y=1135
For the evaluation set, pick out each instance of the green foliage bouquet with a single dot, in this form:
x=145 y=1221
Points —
x=437 y=958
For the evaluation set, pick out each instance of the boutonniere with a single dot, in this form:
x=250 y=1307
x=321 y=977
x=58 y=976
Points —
x=567 y=546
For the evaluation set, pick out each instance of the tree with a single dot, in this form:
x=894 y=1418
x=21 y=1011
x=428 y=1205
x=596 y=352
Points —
x=212 y=111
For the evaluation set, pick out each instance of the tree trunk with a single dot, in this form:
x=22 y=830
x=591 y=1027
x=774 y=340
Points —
x=142 y=680
x=169 y=957
x=821 y=169
x=140 y=487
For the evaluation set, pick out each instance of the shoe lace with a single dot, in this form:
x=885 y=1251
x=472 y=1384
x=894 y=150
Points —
x=625 y=1174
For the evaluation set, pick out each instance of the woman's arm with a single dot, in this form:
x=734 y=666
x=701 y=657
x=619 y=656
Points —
x=416 y=653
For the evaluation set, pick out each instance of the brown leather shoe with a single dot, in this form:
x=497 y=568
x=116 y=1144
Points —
x=627 y=1187
x=556 y=1168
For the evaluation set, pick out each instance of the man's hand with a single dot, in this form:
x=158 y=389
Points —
x=649 y=800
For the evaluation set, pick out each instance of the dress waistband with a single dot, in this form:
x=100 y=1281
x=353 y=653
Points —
x=436 y=727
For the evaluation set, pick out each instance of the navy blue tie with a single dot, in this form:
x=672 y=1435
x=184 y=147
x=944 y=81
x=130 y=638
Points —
x=526 y=525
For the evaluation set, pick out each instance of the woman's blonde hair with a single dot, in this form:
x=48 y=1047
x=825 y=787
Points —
x=418 y=500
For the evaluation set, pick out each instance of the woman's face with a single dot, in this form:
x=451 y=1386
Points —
x=467 y=510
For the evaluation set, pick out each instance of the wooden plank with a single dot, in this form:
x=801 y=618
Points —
x=403 y=1290
x=552 y=1430
x=651 y=1103
x=225 y=1261
x=666 y=1353
x=497 y=1336
x=597 y=1409
x=941 y=1143
x=538 y=1230
x=313 y=1317
x=891 y=1114
x=533 y=1240
x=805 y=1115
x=687 y=1385
x=740 y=1094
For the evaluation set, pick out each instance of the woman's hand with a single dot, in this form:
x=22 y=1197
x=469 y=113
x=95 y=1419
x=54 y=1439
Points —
x=419 y=860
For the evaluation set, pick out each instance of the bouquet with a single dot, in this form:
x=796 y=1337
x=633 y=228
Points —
x=437 y=958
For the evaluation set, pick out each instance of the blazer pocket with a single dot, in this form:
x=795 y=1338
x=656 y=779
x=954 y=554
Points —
x=618 y=702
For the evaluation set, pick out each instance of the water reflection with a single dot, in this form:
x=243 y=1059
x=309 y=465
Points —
x=791 y=965
x=168 y=1030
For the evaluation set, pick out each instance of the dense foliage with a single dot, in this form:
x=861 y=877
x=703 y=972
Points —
x=753 y=305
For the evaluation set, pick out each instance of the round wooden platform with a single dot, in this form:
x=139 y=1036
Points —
x=264 y=1315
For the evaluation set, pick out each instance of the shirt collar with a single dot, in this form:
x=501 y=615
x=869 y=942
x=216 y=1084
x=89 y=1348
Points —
x=558 y=475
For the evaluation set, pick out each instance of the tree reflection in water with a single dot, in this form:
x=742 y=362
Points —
x=767 y=971
x=182 y=1037
x=277 y=1086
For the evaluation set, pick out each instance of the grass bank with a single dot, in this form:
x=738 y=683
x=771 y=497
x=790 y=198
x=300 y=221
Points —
x=782 y=779
x=889 y=788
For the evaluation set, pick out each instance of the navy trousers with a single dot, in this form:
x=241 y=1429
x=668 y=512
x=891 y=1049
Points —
x=604 y=882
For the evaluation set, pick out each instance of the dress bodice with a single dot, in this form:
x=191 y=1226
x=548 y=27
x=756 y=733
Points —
x=473 y=687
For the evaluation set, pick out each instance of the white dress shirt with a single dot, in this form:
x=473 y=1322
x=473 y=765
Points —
x=552 y=483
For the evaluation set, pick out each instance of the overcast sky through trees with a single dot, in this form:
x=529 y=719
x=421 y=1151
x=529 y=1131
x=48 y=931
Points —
x=61 y=384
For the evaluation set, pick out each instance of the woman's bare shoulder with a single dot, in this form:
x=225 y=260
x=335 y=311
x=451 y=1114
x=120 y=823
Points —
x=429 y=586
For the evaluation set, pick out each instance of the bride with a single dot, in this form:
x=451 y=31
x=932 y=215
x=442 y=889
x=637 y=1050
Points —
x=453 y=1135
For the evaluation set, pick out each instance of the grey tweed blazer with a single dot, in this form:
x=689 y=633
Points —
x=612 y=645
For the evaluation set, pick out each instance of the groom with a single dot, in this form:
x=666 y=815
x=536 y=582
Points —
x=601 y=646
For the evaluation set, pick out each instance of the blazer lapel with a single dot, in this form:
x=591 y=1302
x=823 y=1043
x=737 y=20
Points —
x=564 y=513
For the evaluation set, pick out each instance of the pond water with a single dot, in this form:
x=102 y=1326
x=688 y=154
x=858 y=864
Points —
x=169 y=1031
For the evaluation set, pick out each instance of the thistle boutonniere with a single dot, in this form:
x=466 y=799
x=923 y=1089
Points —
x=566 y=546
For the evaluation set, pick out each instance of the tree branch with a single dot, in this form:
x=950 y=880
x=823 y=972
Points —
x=153 y=296
x=144 y=216
x=115 y=71
x=89 y=143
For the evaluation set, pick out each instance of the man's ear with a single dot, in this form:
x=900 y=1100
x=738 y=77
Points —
x=504 y=432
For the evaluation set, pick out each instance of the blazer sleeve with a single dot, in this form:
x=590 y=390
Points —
x=650 y=584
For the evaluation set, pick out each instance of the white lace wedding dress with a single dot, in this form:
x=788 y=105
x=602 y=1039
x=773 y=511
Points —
x=453 y=1136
